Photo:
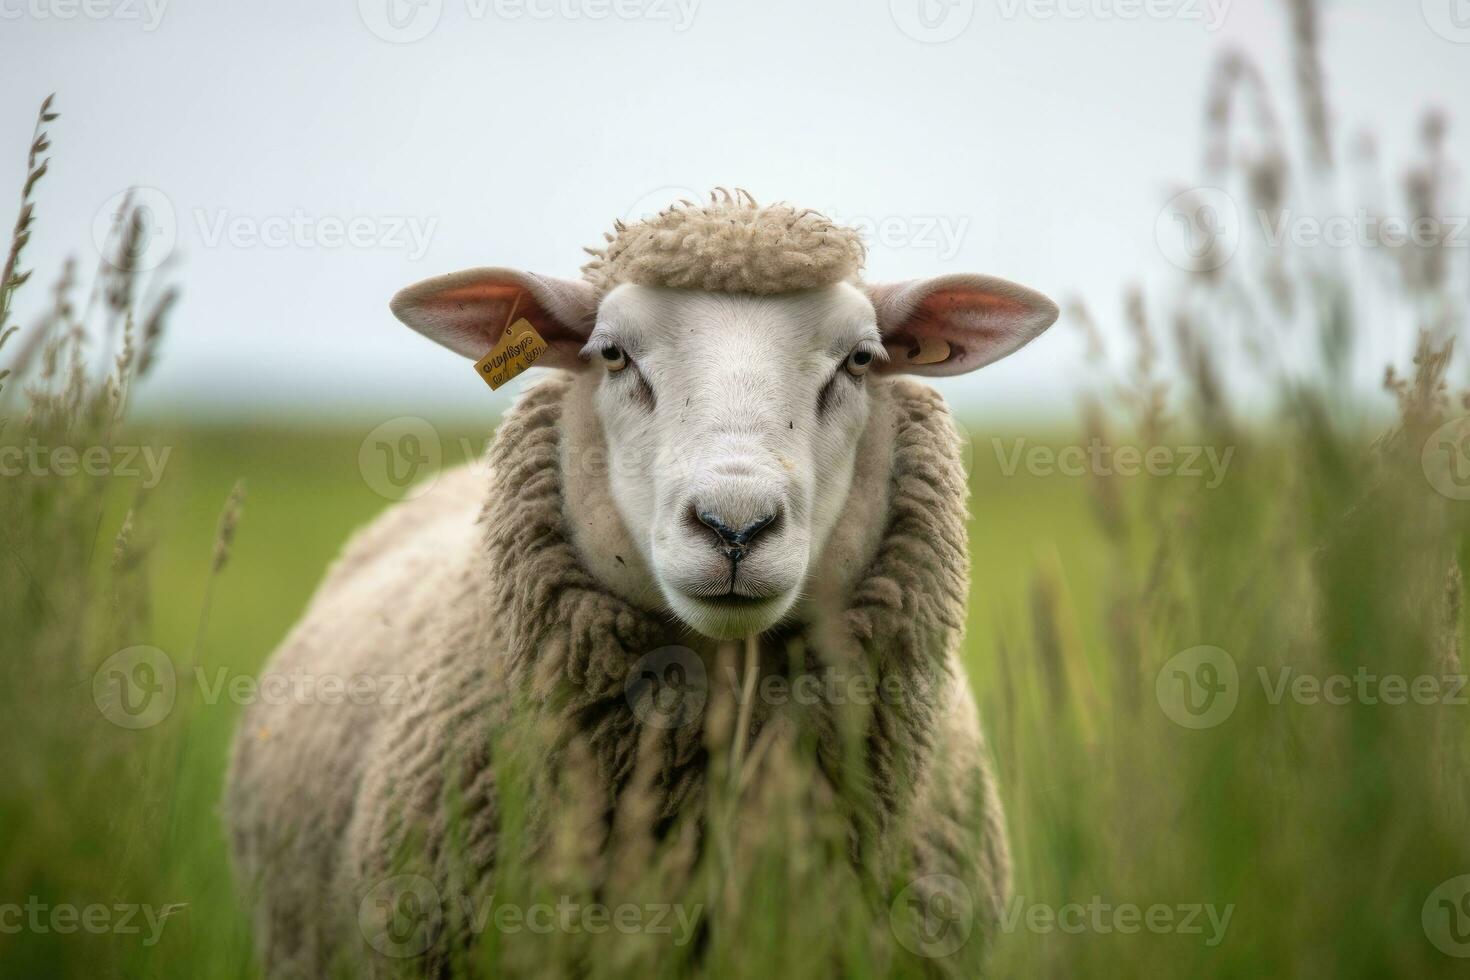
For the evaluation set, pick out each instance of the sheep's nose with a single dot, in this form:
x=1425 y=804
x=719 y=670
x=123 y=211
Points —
x=735 y=542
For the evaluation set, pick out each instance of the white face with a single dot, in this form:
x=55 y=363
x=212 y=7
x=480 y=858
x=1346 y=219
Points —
x=732 y=423
x=732 y=420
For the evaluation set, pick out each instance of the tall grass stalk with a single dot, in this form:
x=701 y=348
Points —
x=94 y=782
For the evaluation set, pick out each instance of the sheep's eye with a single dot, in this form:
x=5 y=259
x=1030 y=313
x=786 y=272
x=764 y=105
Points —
x=858 y=362
x=614 y=358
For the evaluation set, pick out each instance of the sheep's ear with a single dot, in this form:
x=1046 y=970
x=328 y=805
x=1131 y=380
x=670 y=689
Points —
x=953 y=324
x=466 y=311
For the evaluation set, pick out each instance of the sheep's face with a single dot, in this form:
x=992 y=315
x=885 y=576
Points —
x=732 y=423
x=732 y=420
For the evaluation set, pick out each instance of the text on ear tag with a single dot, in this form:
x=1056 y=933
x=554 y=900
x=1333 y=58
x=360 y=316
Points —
x=930 y=350
x=519 y=347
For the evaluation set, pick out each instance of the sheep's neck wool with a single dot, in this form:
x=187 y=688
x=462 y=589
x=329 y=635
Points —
x=730 y=245
x=570 y=644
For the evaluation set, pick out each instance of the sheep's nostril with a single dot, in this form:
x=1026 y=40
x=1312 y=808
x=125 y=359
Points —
x=734 y=542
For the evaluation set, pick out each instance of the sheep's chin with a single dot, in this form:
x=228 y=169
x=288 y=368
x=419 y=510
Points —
x=720 y=621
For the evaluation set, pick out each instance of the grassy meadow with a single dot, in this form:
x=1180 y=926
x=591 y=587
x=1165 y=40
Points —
x=1324 y=828
x=305 y=495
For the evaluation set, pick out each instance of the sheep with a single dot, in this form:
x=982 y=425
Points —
x=728 y=449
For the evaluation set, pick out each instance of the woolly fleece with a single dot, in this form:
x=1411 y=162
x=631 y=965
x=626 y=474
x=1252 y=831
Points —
x=477 y=593
x=730 y=245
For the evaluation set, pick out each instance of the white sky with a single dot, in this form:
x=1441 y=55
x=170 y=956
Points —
x=1043 y=147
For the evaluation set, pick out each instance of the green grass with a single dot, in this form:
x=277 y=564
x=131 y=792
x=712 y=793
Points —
x=305 y=497
x=1276 y=812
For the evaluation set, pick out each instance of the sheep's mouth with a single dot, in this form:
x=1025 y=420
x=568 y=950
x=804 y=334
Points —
x=728 y=615
x=736 y=599
x=731 y=599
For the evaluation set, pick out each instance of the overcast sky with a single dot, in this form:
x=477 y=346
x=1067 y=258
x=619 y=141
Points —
x=305 y=160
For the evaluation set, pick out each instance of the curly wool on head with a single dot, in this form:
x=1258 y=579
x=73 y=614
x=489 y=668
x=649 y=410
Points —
x=730 y=245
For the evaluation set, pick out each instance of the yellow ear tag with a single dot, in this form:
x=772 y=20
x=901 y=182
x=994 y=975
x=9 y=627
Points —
x=930 y=350
x=518 y=348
